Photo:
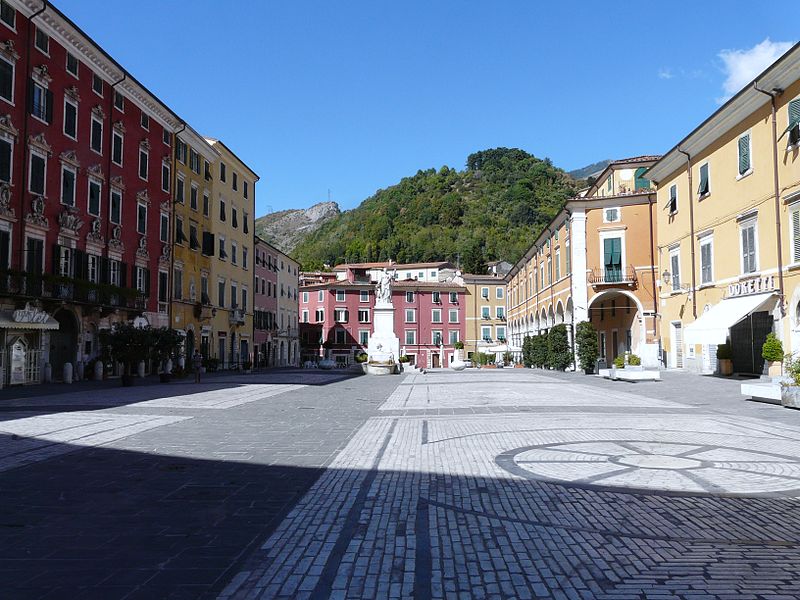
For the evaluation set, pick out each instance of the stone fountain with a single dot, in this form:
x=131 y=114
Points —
x=384 y=347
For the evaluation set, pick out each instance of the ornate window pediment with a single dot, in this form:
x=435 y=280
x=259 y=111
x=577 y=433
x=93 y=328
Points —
x=72 y=92
x=7 y=49
x=98 y=112
x=69 y=221
x=70 y=158
x=36 y=215
x=94 y=234
x=42 y=75
x=119 y=127
x=141 y=251
x=6 y=126
x=143 y=196
x=96 y=171
x=40 y=143
x=115 y=243
x=144 y=145
x=118 y=182
x=5 y=201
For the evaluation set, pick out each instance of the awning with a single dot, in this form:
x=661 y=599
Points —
x=502 y=349
x=40 y=321
x=712 y=326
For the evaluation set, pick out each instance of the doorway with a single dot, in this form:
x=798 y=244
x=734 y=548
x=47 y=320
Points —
x=63 y=342
x=747 y=337
x=435 y=361
x=677 y=344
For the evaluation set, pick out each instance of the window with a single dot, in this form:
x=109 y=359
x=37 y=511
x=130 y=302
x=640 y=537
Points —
x=8 y=14
x=119 y=101
x=612 y=259
x=341 y=315
x=180 y=151
x=363 y=315
x=411 y=315
x=319 y=315
x=166 y=137
x=485 y=312
x=609 y=183
x=235 y=182
x=6 y=80
x=162 y=286
x=221 y=209
x=568 y=258
x=206 y=170
x=320 y=296
x=672 y=204
x=234 y=251
x=437 y=297
x=675 y=266
x=499 y=312
x=244 y=189
x=116 y=148
x=244 y=298
x=5 y=160
x=222 y=254
x=114 y=272
x=70 y=118
x=549 y=269
x=144 y=160
x=795 y=233
x=453 y=297
x=485 y=292
x=436 y=315
x=706 y=260
x=244 y=257
x=436 y=338
x=453 y=336
x=36 y=182
x=222 y=172
x=144 y=121
x=411 y=337
x=363 y=296
x=194 y=161
x=305 y=297
x=142 y=280
x=180 y=195
x=340 y=295
x=794 y=122
x=409 y=296
x=221 y=293
x=115 y=206
x=234 y=217
x=164 y=228
x=501 y=333
x=165 y=176
x=94 y=198
x=97 y=84
x=704 y=189
x=97 y=136
x=304 y=316
x=558 y=264
x=177 y=276
x=363 y=337
x=42 y=41
x=206 y=204
x=498 y=293
x=486 y=334
x=245 y=226
x=41 y=102
x=745 y=155
x=141 y=218
x=194 y=243
x=67 y=186
x=179 y=236
x=749 y=247
x=452 y=315
x=611 y=215
x=193 y=197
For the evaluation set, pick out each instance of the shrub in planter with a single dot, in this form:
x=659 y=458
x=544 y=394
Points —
x=772 y=352
x=634 y=360
x=619 y=361
x=527 y=351
x=362 y=358
x=211 y=364
x=539 y=351
x=458 y=345
x=790 y=394
x=724 y=352
x=586 y=339
x=403 y=359
x=559 y=355
x=508 y=358
x=128 y=345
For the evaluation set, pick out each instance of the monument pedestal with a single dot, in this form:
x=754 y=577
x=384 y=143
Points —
x=384 y=347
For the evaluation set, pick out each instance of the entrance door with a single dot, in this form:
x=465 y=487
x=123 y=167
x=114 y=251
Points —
x=435 y=360
x=221 y=352
x=63 y=343
x=612 y=259
x=189 y=346
x=747 y=337
x=677 y=344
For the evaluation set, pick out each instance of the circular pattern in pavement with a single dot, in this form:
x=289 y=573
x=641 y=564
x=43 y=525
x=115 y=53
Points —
x=655 y=466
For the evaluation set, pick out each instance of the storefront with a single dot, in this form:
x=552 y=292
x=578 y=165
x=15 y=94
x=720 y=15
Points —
x=25 y=336
x=742 y=319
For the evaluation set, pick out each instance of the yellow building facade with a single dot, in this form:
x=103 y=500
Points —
x=192 y=228
x=485 y=313
x=232 y=270
x=729 y=227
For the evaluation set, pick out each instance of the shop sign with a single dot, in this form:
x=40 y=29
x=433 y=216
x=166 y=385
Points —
x=17 y=371
x=30 y=314
x=757 y=285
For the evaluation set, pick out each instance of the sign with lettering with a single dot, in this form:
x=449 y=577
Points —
x=757 y=285
x=30 y=314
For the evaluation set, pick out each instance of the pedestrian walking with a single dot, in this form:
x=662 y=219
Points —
x=197 y=364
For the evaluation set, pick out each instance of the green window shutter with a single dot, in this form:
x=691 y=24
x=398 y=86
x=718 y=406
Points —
x=607 y=252
x=640 y=182
x=616 y=251
x=703 y=189
x=744 y=154
x=794 y=122
x=796 y=236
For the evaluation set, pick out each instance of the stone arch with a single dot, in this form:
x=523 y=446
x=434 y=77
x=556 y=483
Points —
x=64 y=341
x=559 y=315
x=551 y=316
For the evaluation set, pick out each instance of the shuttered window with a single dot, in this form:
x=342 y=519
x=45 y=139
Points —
x=675 y=265
x=744 y=154
x=94 y=198
x=612 y=259
x=796 y=236
x=116 y=206
x=6 y=80
x=672 y=204
x=704 y=187
x=36 y=183
x=5 y=160
x=706 y=275
x=794 y=122
x=749 y=262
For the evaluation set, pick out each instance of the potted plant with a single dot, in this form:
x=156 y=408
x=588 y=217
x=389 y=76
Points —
x=166 y=344
x=790 y=392
x=403 y=358
x=772 y=352
x=725 y=359
x=559 y=355
x=128 y=345
x=586 y=339
x=211 y=364
x=508 y=358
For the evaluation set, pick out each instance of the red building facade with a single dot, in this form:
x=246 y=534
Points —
x=265 y=307
x=85 y=180
x=336 y=318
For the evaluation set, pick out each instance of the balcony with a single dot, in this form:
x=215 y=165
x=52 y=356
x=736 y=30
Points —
x=53 y=287
x=236 y=316
x=613 y=277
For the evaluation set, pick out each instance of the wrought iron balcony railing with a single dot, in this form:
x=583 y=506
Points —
x=616 y=276
x=53 y=287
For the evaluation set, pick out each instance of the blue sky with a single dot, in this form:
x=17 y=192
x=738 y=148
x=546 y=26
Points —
x=352 y=96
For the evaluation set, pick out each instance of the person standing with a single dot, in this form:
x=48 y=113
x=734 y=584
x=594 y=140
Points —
x=197 y=364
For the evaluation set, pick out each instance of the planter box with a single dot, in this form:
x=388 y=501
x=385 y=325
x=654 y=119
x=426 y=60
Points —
x=775 y=368
x=790 y=396
x=725 y=366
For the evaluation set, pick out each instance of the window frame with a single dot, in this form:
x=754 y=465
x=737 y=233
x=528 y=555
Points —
x=38 y=154
x=116 y=135
x=94 y=182
x=410 y=312
x=675 y=283
x=144 y=152
x=13 y=66
x=139 y=207
x=37 y=32
x=11 y=26
x=69 y=101
x=744 y=225
x=749 y=171
x=618 y=213
x=94 y=120
x=707 y=240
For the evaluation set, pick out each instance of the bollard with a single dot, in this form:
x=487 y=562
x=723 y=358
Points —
x=68 y=372
x=140 y=369
x=48 y=373
x=98 y=370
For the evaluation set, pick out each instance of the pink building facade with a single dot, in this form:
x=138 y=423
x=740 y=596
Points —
x=265 y=298
x=336 y=318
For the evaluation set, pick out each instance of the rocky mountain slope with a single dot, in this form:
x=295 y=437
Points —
x=286 y=228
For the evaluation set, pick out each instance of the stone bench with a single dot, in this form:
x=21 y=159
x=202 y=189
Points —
x=630 y=374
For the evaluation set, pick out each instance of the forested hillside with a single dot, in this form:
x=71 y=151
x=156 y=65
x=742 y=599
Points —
x=491 y=210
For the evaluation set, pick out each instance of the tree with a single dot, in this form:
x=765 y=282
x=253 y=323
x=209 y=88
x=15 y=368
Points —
x=472 y=261
x=166 y=343
x=527 y=351
x=586 y=340
x=559 y=355
x=127 y=344
x=539 y=350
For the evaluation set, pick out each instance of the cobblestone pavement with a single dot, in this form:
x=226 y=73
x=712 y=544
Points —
x=521 y=484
